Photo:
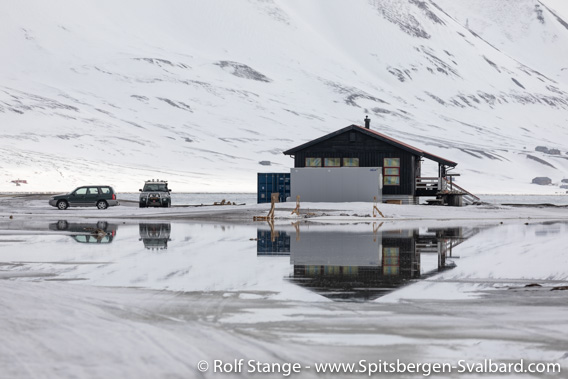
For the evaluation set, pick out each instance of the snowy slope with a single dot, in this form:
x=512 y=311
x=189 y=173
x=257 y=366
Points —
x=526 y=30
x=200 y=92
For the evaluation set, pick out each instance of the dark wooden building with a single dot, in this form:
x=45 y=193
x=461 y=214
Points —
x=356 y=146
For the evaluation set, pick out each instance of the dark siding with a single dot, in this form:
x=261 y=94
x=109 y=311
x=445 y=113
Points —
x=269 y=183
x=370 y=152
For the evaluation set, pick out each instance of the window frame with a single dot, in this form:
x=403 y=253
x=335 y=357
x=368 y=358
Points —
x=89 y=191
x=393 y=163
x=326 y=165
x=306 y=162
x=351 y=158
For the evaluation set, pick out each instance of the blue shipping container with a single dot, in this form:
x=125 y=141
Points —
x=269 y=183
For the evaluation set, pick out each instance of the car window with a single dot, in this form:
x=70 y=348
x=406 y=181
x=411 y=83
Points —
x=155 y=187
x=81 y=191
x=105 y=190
x=93 y=191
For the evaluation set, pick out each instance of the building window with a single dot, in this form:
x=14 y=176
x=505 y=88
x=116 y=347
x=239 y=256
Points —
x=392 y=162
x=391 y=172
x=391 y=180
x=351 y=162
x=332 y=162
x=313 y=162
x=391 y=261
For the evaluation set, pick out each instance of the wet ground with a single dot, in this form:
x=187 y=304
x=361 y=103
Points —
x=352 y=262
x=120 y=293
x=94 y=298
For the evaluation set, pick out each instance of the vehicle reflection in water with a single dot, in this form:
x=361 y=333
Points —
x=100 y=232
x=155 y=236
x=359 y=263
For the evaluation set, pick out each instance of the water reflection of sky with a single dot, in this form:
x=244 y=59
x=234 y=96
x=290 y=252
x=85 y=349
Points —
x=352 y=262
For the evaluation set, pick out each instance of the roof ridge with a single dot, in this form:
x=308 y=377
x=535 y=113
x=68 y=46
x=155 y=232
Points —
x=375 y=133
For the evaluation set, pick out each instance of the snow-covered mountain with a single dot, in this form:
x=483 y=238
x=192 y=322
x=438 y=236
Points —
x=198 y=92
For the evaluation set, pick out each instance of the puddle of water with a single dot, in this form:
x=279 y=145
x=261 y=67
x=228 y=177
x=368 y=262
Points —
x=352 y=262
x=263 y=292
x=362 y=262
x=347 y=262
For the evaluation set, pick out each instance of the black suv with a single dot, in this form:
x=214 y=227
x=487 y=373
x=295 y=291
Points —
x=155 y=194
x=100 y=196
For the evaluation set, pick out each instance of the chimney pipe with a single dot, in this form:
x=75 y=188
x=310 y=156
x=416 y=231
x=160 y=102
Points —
x=367 y=122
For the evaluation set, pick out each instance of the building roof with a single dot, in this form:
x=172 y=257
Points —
x=379 y=136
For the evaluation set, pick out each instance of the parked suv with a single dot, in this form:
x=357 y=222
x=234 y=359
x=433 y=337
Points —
x=100 y=196
x=155 y=194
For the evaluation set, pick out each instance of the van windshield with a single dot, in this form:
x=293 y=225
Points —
x=155 y=187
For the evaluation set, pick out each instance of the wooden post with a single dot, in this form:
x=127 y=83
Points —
x=297 y=227
x=375 y=230
x=273 y=234
x=274 y=198
x=297 y=209
x=440 y=177
x=376 y=209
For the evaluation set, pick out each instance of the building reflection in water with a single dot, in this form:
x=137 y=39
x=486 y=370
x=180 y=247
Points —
x=272 y=242
x=155 y=236
x=361 y=262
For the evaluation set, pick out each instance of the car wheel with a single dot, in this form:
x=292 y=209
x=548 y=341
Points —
x=102 y=225
x=62 y=225
x=142 y=206
x=62 y=205
x=101 y=204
